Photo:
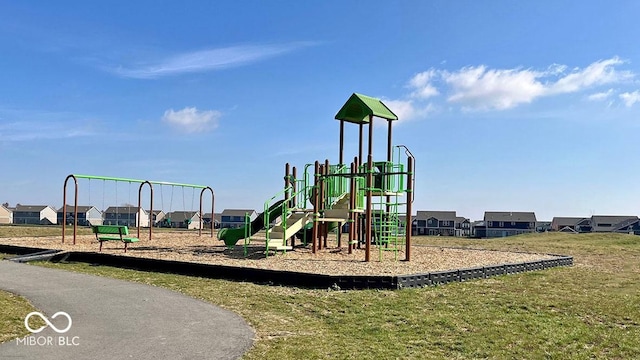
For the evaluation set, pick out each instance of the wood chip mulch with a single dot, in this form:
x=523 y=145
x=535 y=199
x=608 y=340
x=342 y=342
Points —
x=184 y=246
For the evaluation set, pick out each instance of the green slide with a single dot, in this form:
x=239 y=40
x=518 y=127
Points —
x=231 y=236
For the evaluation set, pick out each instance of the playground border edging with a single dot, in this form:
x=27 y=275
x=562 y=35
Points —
x=298 y=279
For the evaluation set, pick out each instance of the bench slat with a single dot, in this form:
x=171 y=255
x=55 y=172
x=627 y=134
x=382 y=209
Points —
x=125 y=239
x=113 y=230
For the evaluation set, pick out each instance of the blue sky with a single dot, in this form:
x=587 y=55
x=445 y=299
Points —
x=507 y=106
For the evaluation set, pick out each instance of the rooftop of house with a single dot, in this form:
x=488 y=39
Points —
x=611 y=219
x=566 y=221
x=30 y=208
x=608 y=222
x=237 y=212
x=208 y=216
x=440 y=215
x=124 y=210
x=461 y=219
x=82 y=209
x=181 y=215
x=510 y=216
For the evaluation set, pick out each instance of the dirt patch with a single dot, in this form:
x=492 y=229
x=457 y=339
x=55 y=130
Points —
x=184 y=246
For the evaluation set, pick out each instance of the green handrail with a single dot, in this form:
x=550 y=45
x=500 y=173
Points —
x=287 y=194
x=284 y=211
x=247 y=232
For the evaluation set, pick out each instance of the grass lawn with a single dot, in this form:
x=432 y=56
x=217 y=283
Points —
x=590 y=310
x=13 y=310
x=32 y=231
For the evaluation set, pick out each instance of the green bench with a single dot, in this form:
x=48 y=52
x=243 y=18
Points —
x=108 y=232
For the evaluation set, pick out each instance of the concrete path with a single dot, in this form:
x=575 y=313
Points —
x=114 y=319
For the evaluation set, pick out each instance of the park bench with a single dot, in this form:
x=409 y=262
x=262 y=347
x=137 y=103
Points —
x=113 y=233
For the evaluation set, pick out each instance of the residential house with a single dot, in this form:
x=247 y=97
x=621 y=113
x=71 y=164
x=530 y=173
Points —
x=571 y=224
x=629 y=226
x=34 y=214
x=207 y=219
x=402 y=223
x=183 y=219
x=543 y=226
x=434 y=223
x=87 y=215
x=233 y=218
x=615 y=223
x=501 y=224
x=126 y=215
x=6 y=215
x=156 y=217
x=475 y=228
x=462 y=227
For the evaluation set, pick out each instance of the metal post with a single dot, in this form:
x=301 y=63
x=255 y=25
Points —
x=352 y=206
x=357 y=216
x=286 y=181
x=360 y=144
x=325 y=197
x=75 y=208
x=213 y=214
x=340 y=158
x=409 y=222
x=369 y=192
x=140 y=207
x=367 y=256
x=293 y=202
x=294 y=187
x=315 y=206
x=384 y=177
x=389 y=147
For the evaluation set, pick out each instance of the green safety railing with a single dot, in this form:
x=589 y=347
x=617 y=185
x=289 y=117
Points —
x=289 y=197
x=388 y=177
x=283 y=209
x=247 y=232
x=336 y=186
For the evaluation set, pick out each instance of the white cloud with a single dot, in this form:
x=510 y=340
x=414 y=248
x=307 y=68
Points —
x=421 y=82
x=207 y=60
x=33 y=131
x=630 y=98
x=408 y=109
x=190 y=120
x=23 y=125
x=482 y=88
x=598 y=73
x=600 y=95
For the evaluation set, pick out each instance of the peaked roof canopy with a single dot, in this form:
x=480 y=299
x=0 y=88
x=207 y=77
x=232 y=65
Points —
x=359 y=107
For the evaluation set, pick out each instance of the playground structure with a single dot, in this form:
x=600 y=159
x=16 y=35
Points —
x=75 y=178
x=369 y=196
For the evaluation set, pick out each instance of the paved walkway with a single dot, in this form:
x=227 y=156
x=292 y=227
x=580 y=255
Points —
x=114 y=319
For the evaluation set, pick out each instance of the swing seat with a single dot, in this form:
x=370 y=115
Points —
x=120 y=230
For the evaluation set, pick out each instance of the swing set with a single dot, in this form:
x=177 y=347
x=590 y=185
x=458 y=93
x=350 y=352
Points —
x=104 y=179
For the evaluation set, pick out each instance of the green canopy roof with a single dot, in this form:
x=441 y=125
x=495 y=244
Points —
x=359 y=107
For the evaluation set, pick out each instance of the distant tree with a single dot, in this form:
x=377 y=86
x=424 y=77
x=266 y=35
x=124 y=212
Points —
x=5 y=204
